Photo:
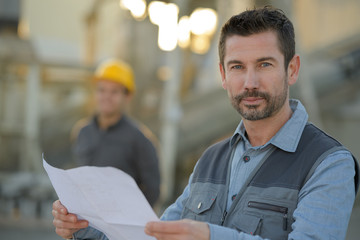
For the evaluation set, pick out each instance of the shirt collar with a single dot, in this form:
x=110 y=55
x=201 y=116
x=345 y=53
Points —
x=288 y=137
x=238 y=134
x=115 y=125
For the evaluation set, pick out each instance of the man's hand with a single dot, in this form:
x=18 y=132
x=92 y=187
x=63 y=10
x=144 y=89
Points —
x=178 y=230
x=66 y=223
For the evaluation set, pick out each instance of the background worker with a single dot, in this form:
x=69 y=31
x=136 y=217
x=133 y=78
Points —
x=278 y=176
x=111 y=138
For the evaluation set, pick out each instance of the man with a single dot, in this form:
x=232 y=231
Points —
x=111 y=138
x=278 y=176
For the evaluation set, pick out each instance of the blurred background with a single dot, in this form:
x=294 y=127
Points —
x=49 y=49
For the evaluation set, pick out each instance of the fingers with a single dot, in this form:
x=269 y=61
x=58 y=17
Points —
x=69 y=217
x=61 y=214
x=67 y=229
x=167 y=227
x=162 y=230
x=57 y=206
x=175 y=230
x=66 y=223
x=64 y=219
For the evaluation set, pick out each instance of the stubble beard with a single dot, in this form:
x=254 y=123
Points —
x=252 y=112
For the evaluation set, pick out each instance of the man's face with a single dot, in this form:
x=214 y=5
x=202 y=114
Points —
x=254 y=75
x=110 y=98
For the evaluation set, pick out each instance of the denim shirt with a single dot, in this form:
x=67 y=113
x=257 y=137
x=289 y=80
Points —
x=315 y=216
x=325 y=202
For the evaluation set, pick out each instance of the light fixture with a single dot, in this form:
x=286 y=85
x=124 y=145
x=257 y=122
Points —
x=203 y=21
x=184 y=32
x=136 y=7
x=155 y=10
x=165 y=15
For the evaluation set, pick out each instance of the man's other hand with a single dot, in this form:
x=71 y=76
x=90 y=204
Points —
x=178 y=230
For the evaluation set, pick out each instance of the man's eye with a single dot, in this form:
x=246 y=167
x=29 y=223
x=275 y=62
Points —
x=265 y=64
x=237 y=67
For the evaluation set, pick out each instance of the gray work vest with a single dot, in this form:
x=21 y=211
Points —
x=265 y=205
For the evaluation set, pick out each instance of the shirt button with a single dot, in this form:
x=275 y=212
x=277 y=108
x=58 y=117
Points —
x=199 y=206
x=246 y=158
x=233 y=197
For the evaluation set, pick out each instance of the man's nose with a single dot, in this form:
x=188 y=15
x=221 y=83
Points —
x=251 y=80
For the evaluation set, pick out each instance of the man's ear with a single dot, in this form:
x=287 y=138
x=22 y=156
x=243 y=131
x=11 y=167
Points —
x=293 y=69
x=223 y=78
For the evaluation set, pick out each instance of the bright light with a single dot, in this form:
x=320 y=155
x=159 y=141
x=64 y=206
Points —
x=168 y=28
x=203 y=21
x=165 y=16
x=156 y=8
x=200 y=44
x=184 y=32
x=136 y=7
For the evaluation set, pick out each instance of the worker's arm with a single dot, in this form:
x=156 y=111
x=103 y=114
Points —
x=148 y=170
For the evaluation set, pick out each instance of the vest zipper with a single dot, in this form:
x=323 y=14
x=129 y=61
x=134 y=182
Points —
x=271 y=207
x=223 y=218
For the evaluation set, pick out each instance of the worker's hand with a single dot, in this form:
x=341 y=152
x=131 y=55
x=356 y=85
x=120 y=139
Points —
x=66 y=224
x=177 y=230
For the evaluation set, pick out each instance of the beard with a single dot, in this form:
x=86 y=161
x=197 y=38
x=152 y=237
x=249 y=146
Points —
x=253 y=112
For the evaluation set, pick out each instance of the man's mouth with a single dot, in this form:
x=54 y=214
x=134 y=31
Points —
x=252 y=100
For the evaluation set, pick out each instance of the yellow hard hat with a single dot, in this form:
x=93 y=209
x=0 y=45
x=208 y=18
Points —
x=117 y=71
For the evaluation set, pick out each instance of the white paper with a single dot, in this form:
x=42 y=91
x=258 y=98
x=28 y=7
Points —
x=105 y=196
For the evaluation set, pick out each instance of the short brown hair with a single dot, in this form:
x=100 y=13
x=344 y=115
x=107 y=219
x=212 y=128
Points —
x=258 y=21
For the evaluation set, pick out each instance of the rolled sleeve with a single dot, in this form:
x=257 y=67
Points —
x=89 y=233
